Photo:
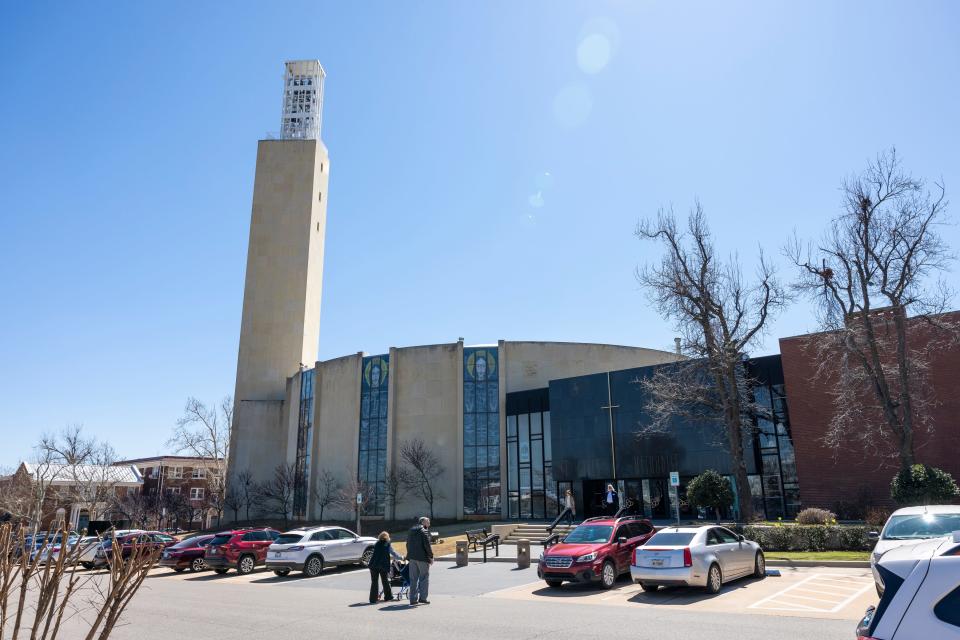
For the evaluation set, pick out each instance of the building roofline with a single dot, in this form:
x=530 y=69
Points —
x=162 y=458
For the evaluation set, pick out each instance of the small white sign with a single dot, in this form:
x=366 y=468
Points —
x=674 y=478
x=359 y=498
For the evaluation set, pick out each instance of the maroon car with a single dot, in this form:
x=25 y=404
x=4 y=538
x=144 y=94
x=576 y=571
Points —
x=141 y=540
x=186 y=554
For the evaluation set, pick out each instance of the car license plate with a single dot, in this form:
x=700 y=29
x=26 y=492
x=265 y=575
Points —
x=656 y=562
x=277 y=554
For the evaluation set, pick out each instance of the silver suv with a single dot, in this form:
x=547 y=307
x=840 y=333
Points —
x=310 y=549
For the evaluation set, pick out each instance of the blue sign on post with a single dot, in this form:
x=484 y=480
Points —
x=674 y=478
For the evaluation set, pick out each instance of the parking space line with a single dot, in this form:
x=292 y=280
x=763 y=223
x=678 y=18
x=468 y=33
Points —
x=851 y=598
x=792 y=595
x=756 y=605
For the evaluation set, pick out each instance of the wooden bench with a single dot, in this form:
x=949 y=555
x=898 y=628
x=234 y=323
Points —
x=484 y=539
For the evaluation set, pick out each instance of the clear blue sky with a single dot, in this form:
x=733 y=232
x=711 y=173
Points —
x=129 y=136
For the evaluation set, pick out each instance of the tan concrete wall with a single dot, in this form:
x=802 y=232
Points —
x=281 y=303
x=263 y=443
x=425 y=405
x=336 y=424
x=531 y=365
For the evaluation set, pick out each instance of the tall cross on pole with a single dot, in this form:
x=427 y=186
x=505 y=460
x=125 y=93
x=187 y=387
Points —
x=610 y=407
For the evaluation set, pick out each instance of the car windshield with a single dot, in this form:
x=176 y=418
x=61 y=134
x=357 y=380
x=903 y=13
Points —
x=917 y=527
x=222 y=539
x=590 y=533
x=288 y=538
x=670 y=539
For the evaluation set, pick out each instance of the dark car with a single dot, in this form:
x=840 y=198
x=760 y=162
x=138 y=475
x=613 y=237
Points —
x=141 y=541
x=240 y=549
x=598 y=550
x=186 y=554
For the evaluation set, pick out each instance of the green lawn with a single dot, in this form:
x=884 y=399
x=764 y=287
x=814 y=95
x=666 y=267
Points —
x=818 y=555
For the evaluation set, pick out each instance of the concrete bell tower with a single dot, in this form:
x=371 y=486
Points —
x=280 y=327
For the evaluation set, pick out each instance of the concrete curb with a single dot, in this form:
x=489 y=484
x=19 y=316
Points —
x=835 y=564
x=480 y=560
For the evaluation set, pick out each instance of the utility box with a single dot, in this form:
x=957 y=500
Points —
x=463 y=553
x=523 y=554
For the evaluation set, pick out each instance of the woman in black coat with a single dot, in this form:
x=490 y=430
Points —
x=380 y=566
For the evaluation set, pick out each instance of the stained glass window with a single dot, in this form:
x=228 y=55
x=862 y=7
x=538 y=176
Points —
x=481 y=431
x=372 y=468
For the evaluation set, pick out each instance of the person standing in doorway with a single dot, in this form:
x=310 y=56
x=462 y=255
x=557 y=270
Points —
x=380 y=566
x=611 y=501
x=420 y=556
x=570 y=507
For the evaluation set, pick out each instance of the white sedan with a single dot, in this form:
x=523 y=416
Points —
x=705 y=556
x=921 y=599
x=912 y=525
x=310 y=549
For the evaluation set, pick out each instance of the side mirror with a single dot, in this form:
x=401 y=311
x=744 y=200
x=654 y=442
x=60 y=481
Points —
x=740 y=538
x=873 y=535
x=621 y=540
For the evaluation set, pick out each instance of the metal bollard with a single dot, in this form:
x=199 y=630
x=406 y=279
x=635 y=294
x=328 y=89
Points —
x=463 y=553
x=523 y=554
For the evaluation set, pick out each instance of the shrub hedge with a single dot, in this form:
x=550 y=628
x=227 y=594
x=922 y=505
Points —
x=809 y=537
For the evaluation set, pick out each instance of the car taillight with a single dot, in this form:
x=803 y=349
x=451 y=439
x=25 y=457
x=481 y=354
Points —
x=866 y=638
x=687 y=557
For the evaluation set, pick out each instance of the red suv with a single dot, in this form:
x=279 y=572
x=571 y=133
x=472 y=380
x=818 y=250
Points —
x=243 y=549
x=598 y=550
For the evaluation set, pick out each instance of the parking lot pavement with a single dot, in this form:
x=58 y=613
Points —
x=807 y=592
x=477 y=602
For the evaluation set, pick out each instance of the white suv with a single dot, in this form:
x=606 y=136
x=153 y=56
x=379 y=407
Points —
x=909 y=526
x=921 y=598
x=310 y=549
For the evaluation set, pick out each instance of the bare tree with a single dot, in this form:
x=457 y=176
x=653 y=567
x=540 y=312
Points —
x=881 y=262
x=137 y=508
x=348 y=501
x=327 y=490
x=41 y=599
x=394 y=488
x=719 y=317
x=83 y=467
x=242 y=493
x=275 y=496
x=422 y=471
x=204 y=432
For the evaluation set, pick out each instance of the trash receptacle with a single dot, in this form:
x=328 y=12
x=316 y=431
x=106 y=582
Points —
x=523 y=554
x=463 y=553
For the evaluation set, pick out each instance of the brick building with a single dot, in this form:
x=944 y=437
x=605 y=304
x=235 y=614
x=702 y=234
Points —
x=196 y=480
x=832 y=477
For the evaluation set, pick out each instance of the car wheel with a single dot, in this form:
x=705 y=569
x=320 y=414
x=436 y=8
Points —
x=245 y=565
x=221 y=570
x=281 y=572
x=554 y=584
x=313 y=566
x=179 y=569
x=760 y=566
x=608 y=575
x=649 y=587
x=365 y=558
x=197 y=564
x=87 y=565
x=714 y=579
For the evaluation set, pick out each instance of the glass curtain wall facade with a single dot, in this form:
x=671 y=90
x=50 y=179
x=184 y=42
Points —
x=481 y=431
x=531 y=490
x=374 y=401
x=598 y=438
x=776 y=488
x=301 y=487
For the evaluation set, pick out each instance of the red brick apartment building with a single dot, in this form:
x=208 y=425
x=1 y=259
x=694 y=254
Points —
x=194 y=479
x=853 y=473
